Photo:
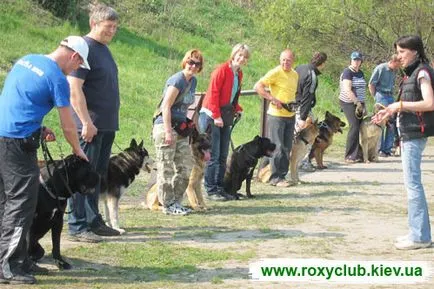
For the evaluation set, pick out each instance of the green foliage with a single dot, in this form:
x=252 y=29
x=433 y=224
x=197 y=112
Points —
x=60 y=8
x=339 y=27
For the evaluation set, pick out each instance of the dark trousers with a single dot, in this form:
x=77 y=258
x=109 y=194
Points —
x=84 y=208
x=353 y=150
x=216 y=166
x=281 y=132
x=19 y=184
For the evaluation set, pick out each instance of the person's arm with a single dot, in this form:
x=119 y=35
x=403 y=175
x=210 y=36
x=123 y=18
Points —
x=260 y=89
x=168 y=100
x=372 y=89
x=347 y=87
x=70 y=131
x=306 y=98
x=78 y=102
x=215 y=84
x=373 y=81
x=426 y=104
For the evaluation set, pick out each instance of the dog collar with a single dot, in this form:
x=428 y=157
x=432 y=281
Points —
x=252 y=157
x=44 y=184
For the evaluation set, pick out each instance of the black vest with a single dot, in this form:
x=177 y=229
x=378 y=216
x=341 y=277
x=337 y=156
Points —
x=415 y=124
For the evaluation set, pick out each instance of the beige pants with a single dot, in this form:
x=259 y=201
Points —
x=174 y=163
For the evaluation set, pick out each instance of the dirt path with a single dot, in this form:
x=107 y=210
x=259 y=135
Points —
x=354 y=214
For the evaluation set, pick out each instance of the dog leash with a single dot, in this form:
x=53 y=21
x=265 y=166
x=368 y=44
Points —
x=236 y=120
x=49 y=159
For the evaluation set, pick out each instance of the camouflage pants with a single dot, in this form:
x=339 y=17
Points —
x=174 y=163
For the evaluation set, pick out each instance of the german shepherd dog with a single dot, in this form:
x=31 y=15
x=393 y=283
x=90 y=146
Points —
x=74 y=173
x=370 y=133
x=200 y=145
x=200 y=148
x=243 y=162
x=327 y=128
x=122 y=170
x=302 y=141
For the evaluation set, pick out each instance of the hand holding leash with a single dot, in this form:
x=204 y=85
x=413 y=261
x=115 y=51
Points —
x=80 y=153
x=48 y=135
x=218 y=122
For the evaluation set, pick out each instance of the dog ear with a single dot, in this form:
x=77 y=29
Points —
x=133 y=143
x=141 y=144
x=327 y=114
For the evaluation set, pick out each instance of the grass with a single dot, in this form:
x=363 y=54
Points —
x=148 y=48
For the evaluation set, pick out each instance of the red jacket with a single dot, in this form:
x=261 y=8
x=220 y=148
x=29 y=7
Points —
x=220 y=89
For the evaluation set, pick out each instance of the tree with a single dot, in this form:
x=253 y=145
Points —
x=341 y=26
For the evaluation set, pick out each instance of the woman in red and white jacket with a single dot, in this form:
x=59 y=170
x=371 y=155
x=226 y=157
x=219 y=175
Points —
x=216 y=116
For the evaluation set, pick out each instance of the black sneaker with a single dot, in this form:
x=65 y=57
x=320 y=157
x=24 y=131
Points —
x=35 y=269
x=227 y=196
x=19 y=278
x=103 y=230
x=216 y=197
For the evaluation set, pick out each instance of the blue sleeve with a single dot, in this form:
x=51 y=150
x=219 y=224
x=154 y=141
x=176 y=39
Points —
x=375 y=76
x=347 y=74
x=61 y=93
x=176 y=80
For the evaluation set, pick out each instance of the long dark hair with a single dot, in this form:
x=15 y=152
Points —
x=412 y=42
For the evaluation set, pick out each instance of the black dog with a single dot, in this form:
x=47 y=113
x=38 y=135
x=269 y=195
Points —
x=74 y=173
x=243 y=162
x=122 y=171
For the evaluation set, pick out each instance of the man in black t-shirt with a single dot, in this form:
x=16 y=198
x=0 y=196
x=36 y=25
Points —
x=95 y=99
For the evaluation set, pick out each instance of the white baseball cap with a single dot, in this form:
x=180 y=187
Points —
x=79 y=45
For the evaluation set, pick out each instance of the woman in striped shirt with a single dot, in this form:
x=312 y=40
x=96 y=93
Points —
x=352 y=92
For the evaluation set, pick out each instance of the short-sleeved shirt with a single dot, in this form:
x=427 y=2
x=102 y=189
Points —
x=100 y=87
x=283 y=86
x=32 y=88
x=358 y=84
x=383 y=79
x=180 y=106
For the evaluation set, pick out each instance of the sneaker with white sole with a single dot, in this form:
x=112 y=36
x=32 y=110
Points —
x=401 y=239
x=175 y=210
x=85 y=236
x=411 y=245
x=188 y=210
x=307 y=166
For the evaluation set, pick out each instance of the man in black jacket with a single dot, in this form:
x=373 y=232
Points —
x=307 y=84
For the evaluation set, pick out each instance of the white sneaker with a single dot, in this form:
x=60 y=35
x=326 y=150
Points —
x=410 y=245
x=185 y=209
x=401 y=239
x=175 y=210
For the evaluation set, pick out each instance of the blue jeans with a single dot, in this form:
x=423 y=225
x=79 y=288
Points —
x=388 y=135
x=418 y=218
x=84 y=208
x=216 y=166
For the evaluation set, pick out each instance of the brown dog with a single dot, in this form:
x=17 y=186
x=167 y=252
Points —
x=327 y=128
x=200 y=148
x=370 y=133
x=303 y=140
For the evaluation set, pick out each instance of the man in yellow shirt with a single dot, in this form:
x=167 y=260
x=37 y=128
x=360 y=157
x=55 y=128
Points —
x=282 y=82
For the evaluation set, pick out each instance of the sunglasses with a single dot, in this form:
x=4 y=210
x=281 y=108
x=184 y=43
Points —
x=191 y=62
